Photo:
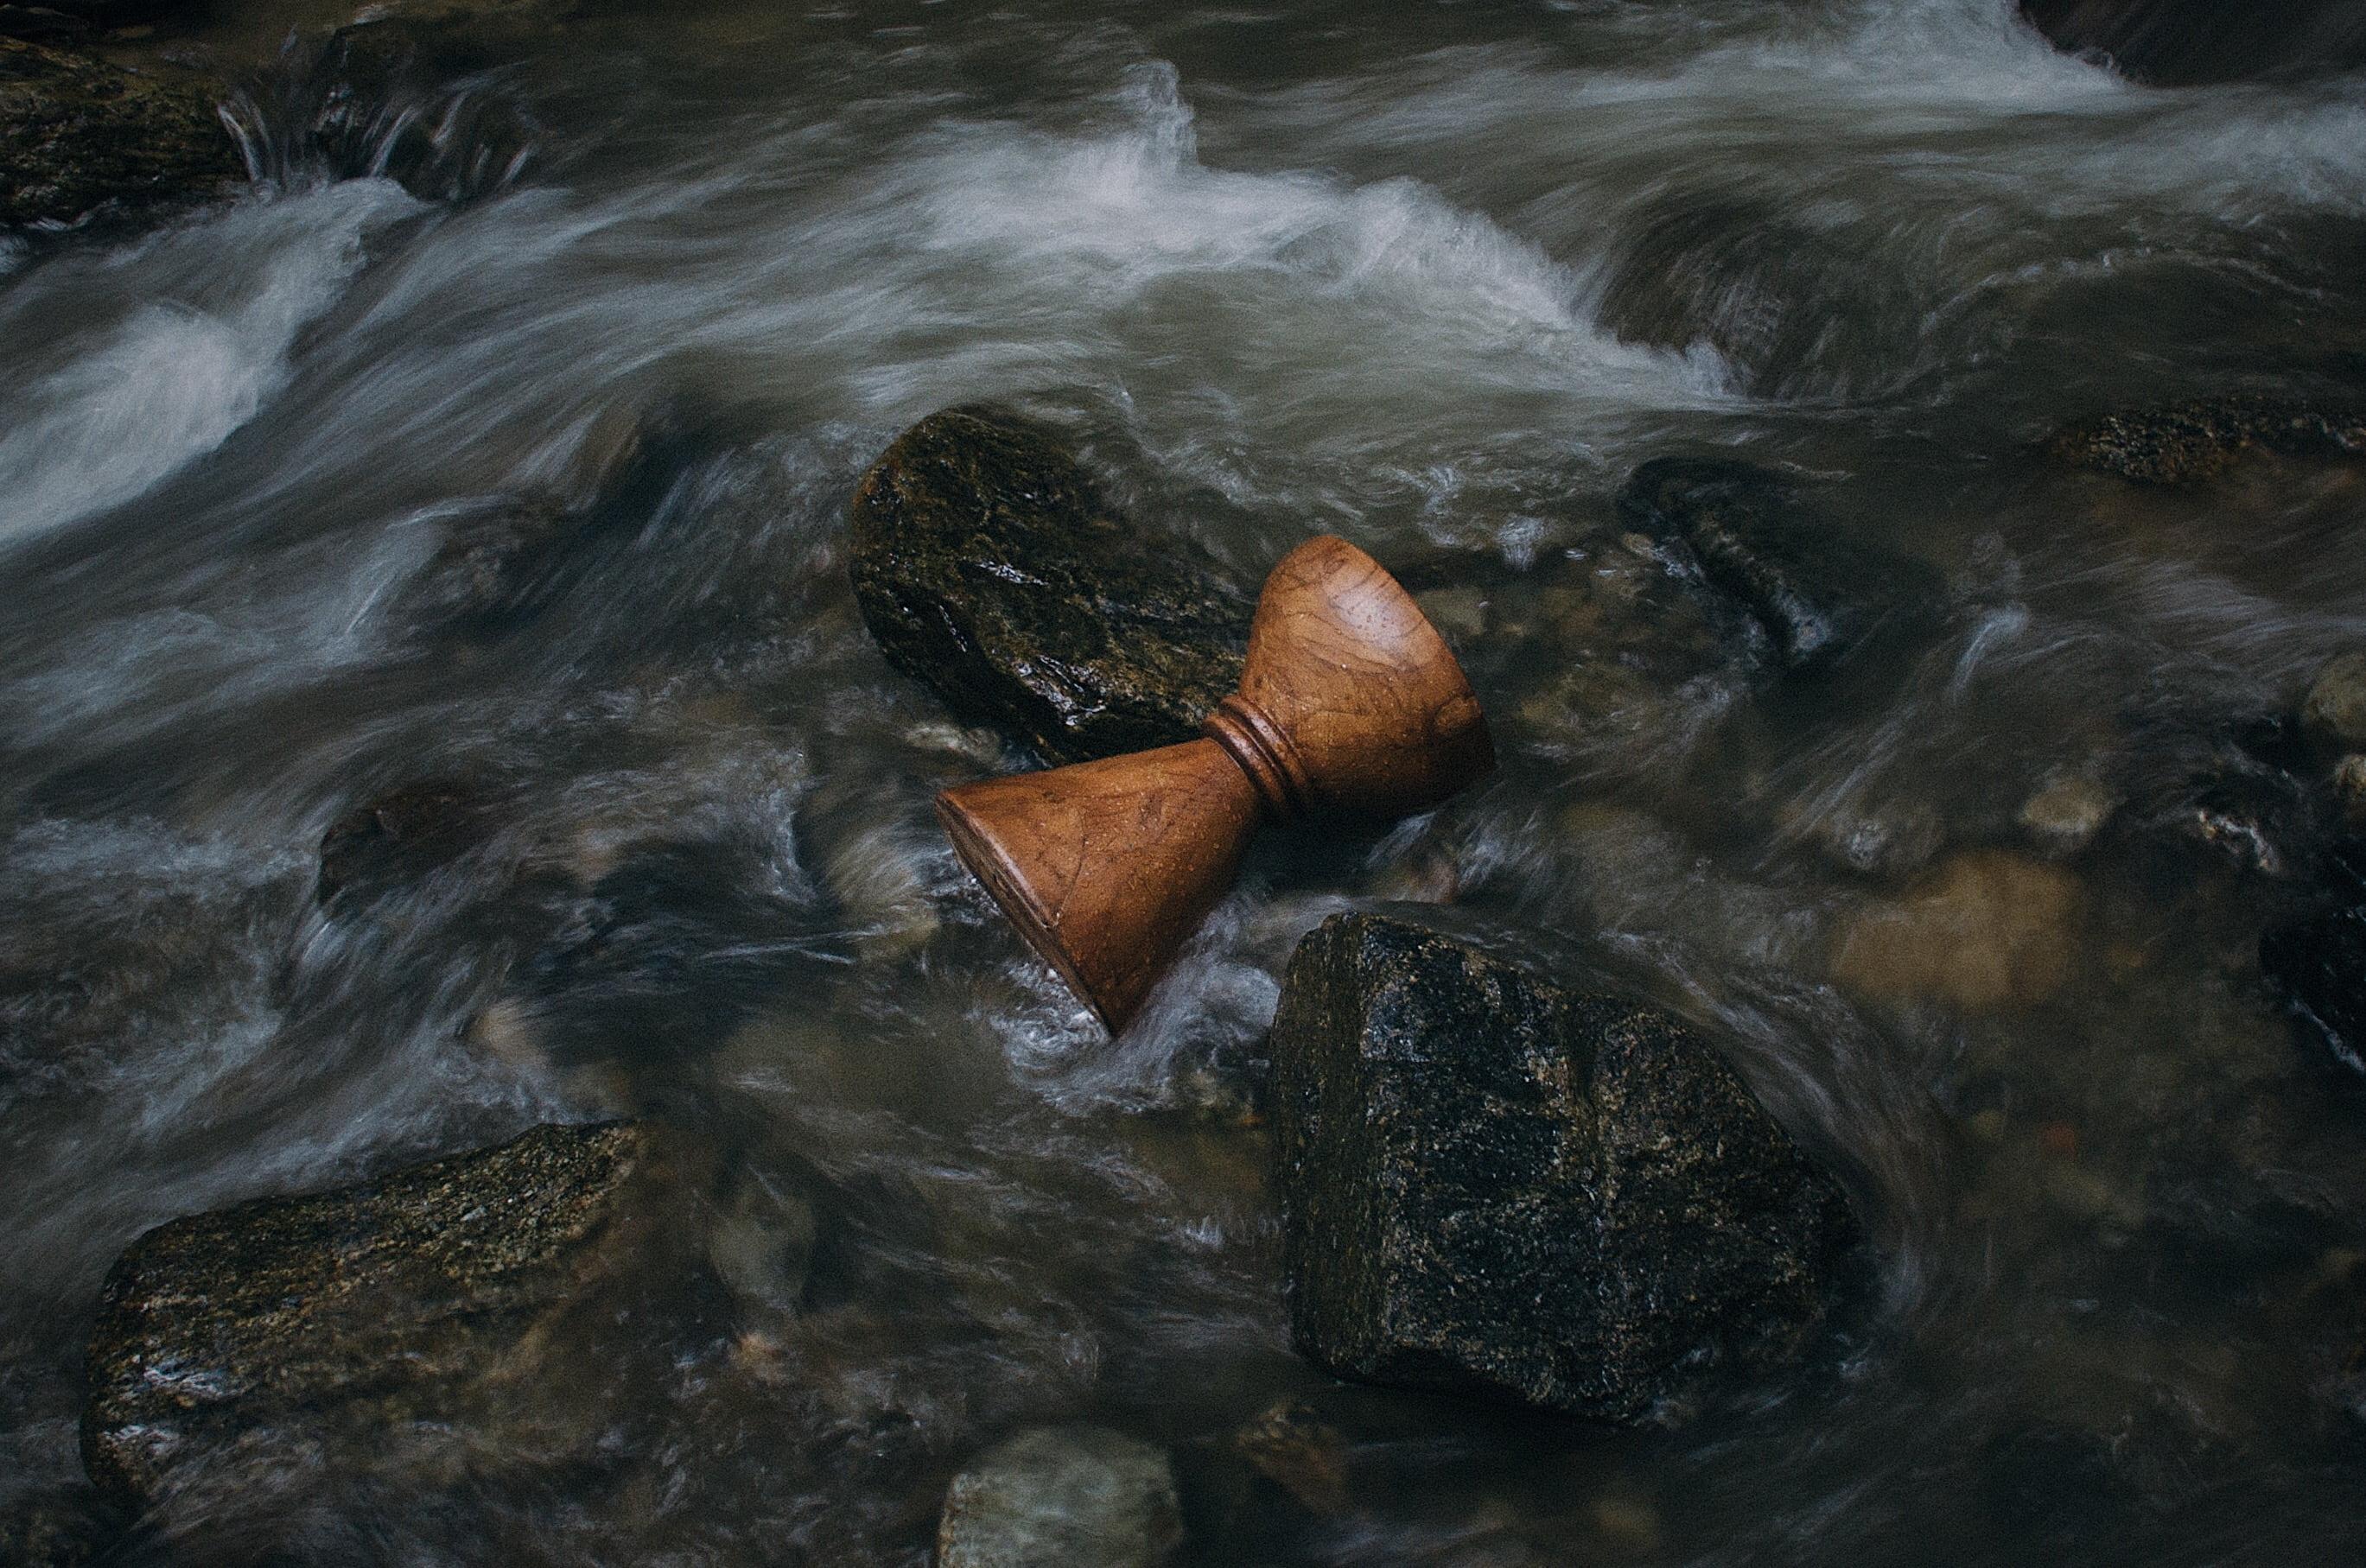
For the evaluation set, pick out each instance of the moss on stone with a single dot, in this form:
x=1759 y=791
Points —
x=78 y=136
x=989 y=567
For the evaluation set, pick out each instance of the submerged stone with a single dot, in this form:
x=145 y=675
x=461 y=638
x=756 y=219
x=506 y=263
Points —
x=361 y=1327
x=2185 y=442
x=79 y=136
x=1062 y=1497
x=493 y=568
x=2066 y=813
x=1816 y=593
x=990 y=569
x=2335 y=706
x=1984 y=930
x=399 y=839
x=1493 y=1185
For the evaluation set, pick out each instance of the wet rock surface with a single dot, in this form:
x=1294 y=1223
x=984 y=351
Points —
x=1814 y=593
x=2335 y=709
x=1493 y=1185
x=87 y=983
x=80 y=137
x=2179 y=42
x=1070 y=1496
x=2186 y=442
x=989 y=567
x=402 y=1320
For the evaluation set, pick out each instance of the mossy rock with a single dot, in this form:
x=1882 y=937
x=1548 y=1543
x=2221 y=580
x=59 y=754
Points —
x=990 y=567
x=80 y=138
x=412 y=1321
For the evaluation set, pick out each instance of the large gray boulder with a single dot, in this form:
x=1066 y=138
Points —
x=401 y=1321
x=80 y=137
x=989 y=567
x=1493 y=1185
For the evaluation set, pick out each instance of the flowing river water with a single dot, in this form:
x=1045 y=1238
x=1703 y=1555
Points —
x=1434 y=277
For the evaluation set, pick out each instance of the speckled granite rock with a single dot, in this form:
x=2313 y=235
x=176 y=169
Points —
x=1493 y=1185
x=2189 y=441
x=1816 y=592
x=1062 y=1497
x=341 y=1327
x=78 y=136
x=989 y=567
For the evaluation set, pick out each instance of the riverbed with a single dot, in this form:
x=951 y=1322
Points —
x=1434 y=278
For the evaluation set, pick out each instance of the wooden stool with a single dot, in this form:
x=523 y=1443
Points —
x=1350 y=706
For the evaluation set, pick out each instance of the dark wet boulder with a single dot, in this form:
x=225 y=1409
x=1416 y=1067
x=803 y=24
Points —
x=410 y=1319
x=2183 y=444
x=1815 y=592
x=434 y=96
x=2318 y=964
x=82 y=139
x=1493 y=1185
x=990 y=567
x=2185 y=42
x=1070 y=1496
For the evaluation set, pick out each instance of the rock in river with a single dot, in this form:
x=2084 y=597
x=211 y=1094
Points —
x=1062 y=1497
x=407 y=1319
x=989 y=567
x=79 y=136
x=2186 y=442
x=1490 y=1184
x=1816 y=593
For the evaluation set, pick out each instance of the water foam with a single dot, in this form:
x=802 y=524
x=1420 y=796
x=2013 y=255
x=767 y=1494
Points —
x=169 y=381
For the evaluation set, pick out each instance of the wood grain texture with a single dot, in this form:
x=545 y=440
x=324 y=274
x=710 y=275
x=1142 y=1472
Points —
x=1351 y=705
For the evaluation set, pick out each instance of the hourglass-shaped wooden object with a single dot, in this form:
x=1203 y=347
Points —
x=1350 y=706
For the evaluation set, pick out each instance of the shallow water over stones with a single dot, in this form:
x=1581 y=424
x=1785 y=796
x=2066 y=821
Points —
x=496 y=450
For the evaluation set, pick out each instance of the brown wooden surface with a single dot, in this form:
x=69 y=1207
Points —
x=1377 y=716
x=1351 y=704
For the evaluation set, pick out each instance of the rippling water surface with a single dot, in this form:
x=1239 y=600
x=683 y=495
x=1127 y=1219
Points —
x=1433 y=277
